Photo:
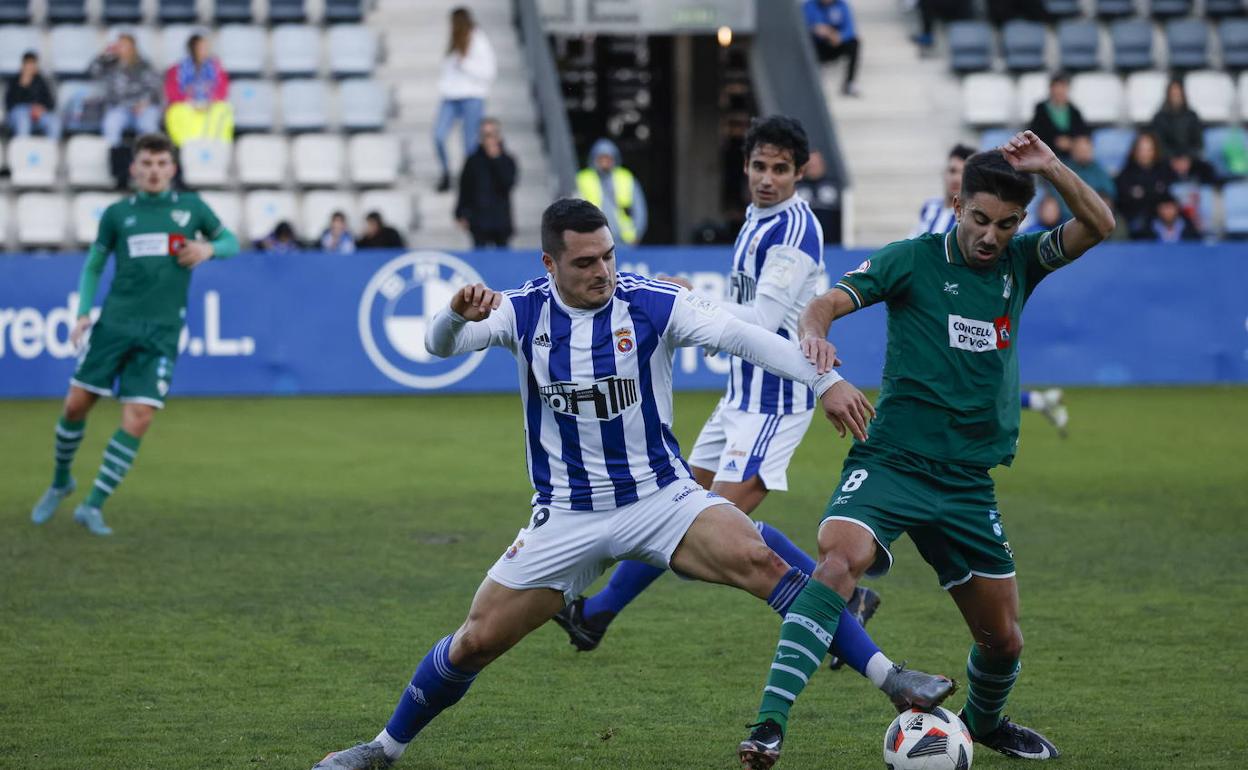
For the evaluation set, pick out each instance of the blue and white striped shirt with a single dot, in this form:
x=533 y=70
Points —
x=787 y=231
x=935 y=218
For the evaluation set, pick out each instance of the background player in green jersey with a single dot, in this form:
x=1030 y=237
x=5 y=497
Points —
x=948 y=412
x=134 y=344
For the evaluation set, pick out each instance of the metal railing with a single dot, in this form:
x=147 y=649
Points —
x=552 y=112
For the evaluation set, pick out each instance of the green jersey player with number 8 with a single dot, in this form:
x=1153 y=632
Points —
x=133 y=345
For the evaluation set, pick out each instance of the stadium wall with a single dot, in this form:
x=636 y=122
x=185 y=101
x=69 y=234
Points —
x=313 y=323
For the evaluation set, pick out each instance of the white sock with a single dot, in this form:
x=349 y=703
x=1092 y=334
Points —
x=878 y=668
x=393 y=748
x=1036 y=401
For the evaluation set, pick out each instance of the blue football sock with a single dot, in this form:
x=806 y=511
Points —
x=436 y=686
x=627 y=582
x=1026 y=399
x=786 y=591
x=781 y=544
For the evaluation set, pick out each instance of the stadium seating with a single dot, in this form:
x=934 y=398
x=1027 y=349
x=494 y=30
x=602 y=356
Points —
x=231 y=11
x=71 y=98
x=987 y=99
x=1215 y=139
x=363 y=105
x=122 y=12
x=205 y=163
x=1079 y=43
x=1146 y=92
x=1115 y=9
x=1062 y=9
x=1233 y=35
x=343 y=11
x=14 y=12
x=1217 y=9
x=263 y=209
x=88 y=207
x=316 y=209
x=394 y=206
x=15 y=41
x=1023 y=44
x=5 y=219
x=994 y=137
x=374 y=159
x=42 y=219
x=352 y=50
x=1098 y=95
x=1235 y=203
x=1166 y=9
x=305 y=105
x=173 y=39
x=1243 y=95
x=970 y=46
x=287 y=12
x=1188 y=43
x=254 y=105
x=1110 y=147
x=242 y=49
x=1199 y=199
x=1032 y=88
x=1133 y=44
x=229 y=209
x=318 y=159
x=1211 y=94
x=261 y=159
x=86 y=162
x=176 y=11
x=33 y=161
x=71 y=49
x=296 y=50
x=67 y=12
x=145 y=38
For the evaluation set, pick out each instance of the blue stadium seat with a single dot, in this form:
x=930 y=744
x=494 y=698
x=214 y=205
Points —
x=1062 y=9
x=1023 y=44
x=1188 y=41
x=970 y=46
x=14 y=12
x=352 y=50
x=177 y=12
x=1079 y=42
x=71 y=49
x=122 y=12
x=1200 y=200
x=993 y=138
x=1133 y=44
x=15 y=41
x=67 y=12
x=1169 y=9
x=74 y=100
x=1233 y=34
x=296 y=50
x=343 y=11
x=232 y=11
x=1218 y=9
x=363 y=105
x=1115 y=9
x=1110 y=147
x=1235 y=203
x=253 y=102
x=1216 y=138
x=287 y=12
x=305 y=105
x=241 y=48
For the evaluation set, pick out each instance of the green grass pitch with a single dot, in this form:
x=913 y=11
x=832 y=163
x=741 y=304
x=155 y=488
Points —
x=280 y=566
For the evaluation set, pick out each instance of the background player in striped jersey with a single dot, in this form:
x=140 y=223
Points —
x=938 y=216
x=152 y=236
x=594 y=355
x=745 y=447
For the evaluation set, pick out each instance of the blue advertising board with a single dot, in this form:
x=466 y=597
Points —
x=263 y=324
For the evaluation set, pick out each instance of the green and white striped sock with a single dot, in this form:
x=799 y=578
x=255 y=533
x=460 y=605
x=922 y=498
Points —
x=118 y=457
x=69 y=435
x=990 y=684
x=805 y=636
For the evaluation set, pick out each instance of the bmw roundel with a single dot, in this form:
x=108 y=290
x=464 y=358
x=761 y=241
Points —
x=395 y=310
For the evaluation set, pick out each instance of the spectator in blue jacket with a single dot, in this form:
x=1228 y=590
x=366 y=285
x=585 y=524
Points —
x=831 y=24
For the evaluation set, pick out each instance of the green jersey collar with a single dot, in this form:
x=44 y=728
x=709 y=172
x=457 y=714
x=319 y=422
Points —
x=953 y=254
x=160 y=197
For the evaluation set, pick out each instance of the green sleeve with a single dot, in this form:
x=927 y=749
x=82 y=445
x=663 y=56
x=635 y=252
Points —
x=89 y=281
x=885 y=276
x=224 y=245
x=1043 y=253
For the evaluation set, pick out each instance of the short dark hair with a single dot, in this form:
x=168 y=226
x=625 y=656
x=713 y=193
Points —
x=153 y=143
x=1060 y=76
x=575 y=214
x=779 y=131
x=373 y=216
x=191 y=41
x=961 y=151
x=989 y=172
x=337 y=215
x=30 y=56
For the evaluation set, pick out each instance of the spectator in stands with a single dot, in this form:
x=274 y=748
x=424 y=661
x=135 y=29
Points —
x=1056 y=121
x=485 y=185
x=378 y=234
x=937 y=214
x=131 y=90
x=1083 y=162
x=1048 y=215
x=1143 y=182
x=831 y=24
x=29 y=101
x=614 y=189
x=1170 y=224
x=281 y=241
x=1177 y=126
x=931 y=11
x=337 y=238
x=822 y=195
x=196 y=88
x=468 y=69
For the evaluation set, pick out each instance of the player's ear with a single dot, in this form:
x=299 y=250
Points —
x=957 y=208
x=549 y=262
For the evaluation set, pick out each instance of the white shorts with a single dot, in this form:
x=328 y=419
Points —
x=568 y=550
x=739 y=445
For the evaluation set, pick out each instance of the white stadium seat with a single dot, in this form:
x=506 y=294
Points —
x=1033 y=88
x=253 y=102
x=374 y=159
x=33 y=161
x=305 y=105
x=86 y=161
x=363 y=105
x=987 y=99
x=41 y=219
x=173 y=39
x=352 y=50
x=242 y=49
x=1098 y=95
x=317 y=159
x=317 y=208
x=1243 y=95
x=205 y=163
x=296 y=50
x=394 y=206
x=15 y=41
x=228 y=207
x=88 y=208
x=1146 y=91
x=261 y=159
x=5 y=219
x=71 y=49
x=1211 y=94
x=263 y=209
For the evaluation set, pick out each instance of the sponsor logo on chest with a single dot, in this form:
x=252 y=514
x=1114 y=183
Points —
x=979 y=336
x=148 y=244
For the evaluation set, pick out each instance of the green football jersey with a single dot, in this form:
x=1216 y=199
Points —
x=143 y=231
x=950 y=386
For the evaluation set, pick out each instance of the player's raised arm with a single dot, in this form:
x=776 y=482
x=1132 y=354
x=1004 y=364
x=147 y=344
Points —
x=470 y=322
x=1094 y=220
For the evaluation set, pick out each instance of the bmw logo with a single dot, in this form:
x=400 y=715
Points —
x=395 y=310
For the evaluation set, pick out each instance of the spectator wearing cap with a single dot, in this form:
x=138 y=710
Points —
x=29 y=101
x=1056 y=121
x=196 y=89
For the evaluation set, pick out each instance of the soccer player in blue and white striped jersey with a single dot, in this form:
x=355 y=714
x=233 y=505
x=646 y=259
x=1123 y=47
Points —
x=594 y=353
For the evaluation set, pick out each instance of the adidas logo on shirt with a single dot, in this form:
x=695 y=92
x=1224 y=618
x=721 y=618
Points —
x=542 y=340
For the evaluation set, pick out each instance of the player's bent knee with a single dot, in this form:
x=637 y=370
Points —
x=759 y=558
x=836 y=571
x=1007 y=644
x=473 y=650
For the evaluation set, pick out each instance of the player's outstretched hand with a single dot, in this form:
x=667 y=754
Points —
x=675 y=279
x=821 y=353
x=1025 y=152
x=847 y=409
x=193 y=253
x=476 y=302
x=80 y=329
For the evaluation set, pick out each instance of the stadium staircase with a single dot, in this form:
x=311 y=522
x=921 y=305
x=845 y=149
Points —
x=415 y=39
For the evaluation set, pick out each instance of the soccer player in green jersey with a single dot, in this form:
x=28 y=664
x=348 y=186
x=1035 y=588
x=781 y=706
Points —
x=134 y=344
x=948 y=412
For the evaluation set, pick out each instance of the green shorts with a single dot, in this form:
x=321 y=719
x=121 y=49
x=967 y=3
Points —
x=138 y=359
x=949 y=511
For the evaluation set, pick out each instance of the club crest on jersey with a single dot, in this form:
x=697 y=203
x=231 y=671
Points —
x=864 y=267
x=603 y=399
x=129 y=221
x=624 y=340
x=951 y=288
x=181 y=216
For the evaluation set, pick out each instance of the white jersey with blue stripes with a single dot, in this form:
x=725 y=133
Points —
x=935 y=217
x=778 y=250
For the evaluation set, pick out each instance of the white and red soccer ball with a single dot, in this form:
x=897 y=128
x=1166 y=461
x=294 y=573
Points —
x=927 y=740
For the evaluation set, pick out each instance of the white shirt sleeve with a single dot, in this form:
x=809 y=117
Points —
x=449 y=334
x=780 y=284
x=698 y=321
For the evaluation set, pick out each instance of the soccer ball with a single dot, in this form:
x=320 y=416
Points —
x=927 y=740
